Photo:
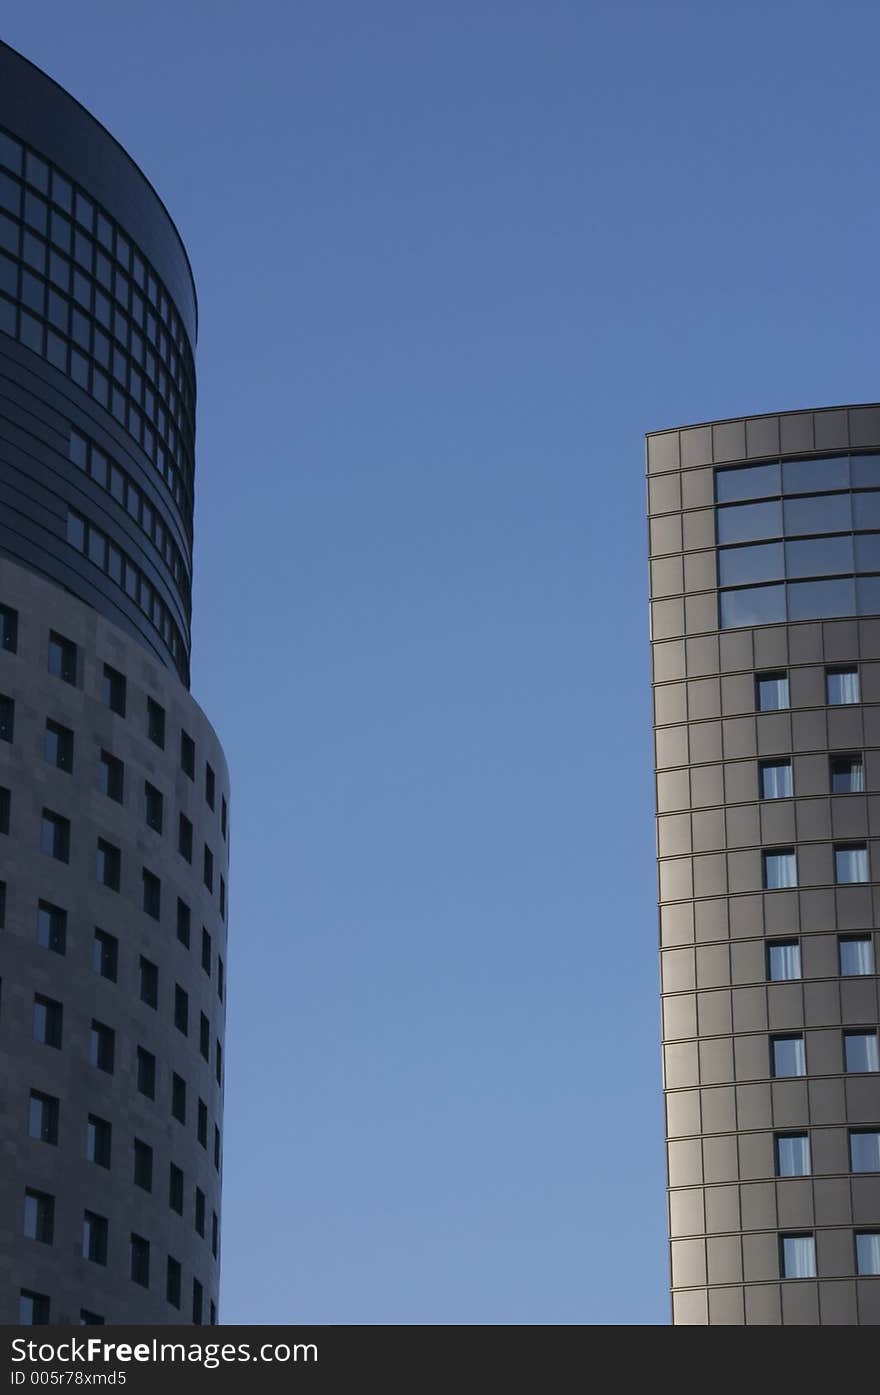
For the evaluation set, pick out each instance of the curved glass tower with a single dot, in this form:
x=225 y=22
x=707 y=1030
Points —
x=765 y=627
x=114 y=791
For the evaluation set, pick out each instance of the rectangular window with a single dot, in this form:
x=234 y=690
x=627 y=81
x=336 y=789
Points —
x=222 y=899
x=58 y=746
x=185 y=838
x=175 y=1189
x=149 y=982
x=95 y=1232
x=108 y=865
x=143 y=1165
x=55 y=836
x=51 y=927
x=140 y=1260
x=209 y=785
x=218 y=1061
x=215 y=1234
x=787 y=1054
x=776 y=779
x=208 y=873
x=112 y=776
x=33 y=1308
x=223 y=816
x=48 y=1019
x=868 y=1252
x=146 y=1073
x=798 y=1256
x=39 y=1216
x=7 y=717
x=756 y=605
x=5 y=808
x=156 y=722
x=216 y=1148
x=43 y=1114
x=8 y=629
x=842 y=686
x=856 y=955
x=850 y=863
x=847 y=775
x=178 y=1098
x=771 y=692
x=860 y=1051
x=184 y=919
x=197 y=1302
x=62 y=657
x=202 y=1124
x=199 y=1217
x=220 y=983
x=153 y=807
x=783 y=960
x=792 y=1155
x=102 y=1046
x=181 y=1009
x=206 y=951
x=99 y=1136
x=113 y=690
x=205 y=1036
x=780 y=869
x=105 y=955
x=172 y=1282
x=187 y=755
x=89 y=1319
x=152 y=894
x=749 y=522
x=864 y=1150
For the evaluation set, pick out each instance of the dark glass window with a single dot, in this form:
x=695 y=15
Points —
x=216 y=1148
x=199 y=1216
x=223 y=816
x=33 y=1308
x=202 y=1124
x=864 y=1150
x=738 y=566
x=51 y=927
x=218 y=1062
x=776 y=782
x=143 y=1165
x=206 y=951
x=222 y=899
x=175 y=1189
x=172 y=1282
x=62 y=657
x=215 y=1237
x=181 y=1009
x=184 y=919
x=102 y=1046
x=753 y=482
x=112 y=776
x=787 y=1055
x=152 y=894
x=58 y=746
x=823 y=513
x=220 y=984
x=149 y=982
x=750 y=522
x=156 y=722
x=205 y=1036
x=756 y=605
x=209 y=785
x=197 y=1302
x=783 y=960
x=178 y=1098
x=153 y=801
x=109 y=863
x=8 y=629
x=819 y=557
x=813 y=600
x=146 y=1073
x=89 y=1319
x=811 y=476
x=185 y=838
x=140 y=1260
x=842 y=686
x=55 y=836
x=866 y=510
x=187 y=755
x=867 y=551
x=856 y=955
x=99 y=1140
x=43 y=1115
x=39 y=1216
x=113 y=691
x=7 y=717
x=5 y=808
x=847 y=775
x=48 y=1016
x=860 y=1051
x=105 y=955
x=209 y=868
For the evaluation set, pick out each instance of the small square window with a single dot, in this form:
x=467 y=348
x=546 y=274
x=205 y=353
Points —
x=787 y=1054
x=856 y=955
x=780 y=869
x=149 y=982
x=184 y=919
x=146 y=1073
x=51 y=927
x=185 y=838
x=187 y=755
x=111 y=772
x=156 y=722
x=847 y=775
x=48 y=1017
x=39 y=1216
x=108 y=865
x=152 y=894
x=181 y=1009
x=102 y=1046
x=62 y=657
x=776 y=779
x=798 y=1256
x=8 y=629
x=860 y=1051
x=113 y=690
x=783 y=960
x=771 y=692
x=178 y=1098
x=850 y=863
x=55 y=836
x=99 y=1139
x=143 y=1165
x=153 y=802
x=105 y=955
x=58 y=746
x=7 y=717
x=43 y=1114
x=864 y=1150
x=792 y=1155
x=868 y=1252
x=842 y=685
x=175 y=1189
x=140 y=1260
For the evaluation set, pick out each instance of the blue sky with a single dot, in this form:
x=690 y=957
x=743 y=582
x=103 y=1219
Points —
x=453 y=260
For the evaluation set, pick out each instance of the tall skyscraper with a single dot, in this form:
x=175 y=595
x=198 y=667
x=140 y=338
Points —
x=765 y=627
x=114 y=792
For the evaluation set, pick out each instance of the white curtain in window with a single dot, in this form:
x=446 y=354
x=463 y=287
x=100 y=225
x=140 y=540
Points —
x=851 y=864
x=865 y=1151
x=794 y=1156
x=780 y=870
x=785 y=961
x=774 y=694
x=843 y=687
x=868 y=1251
x=856 y=777
x=856 y=957
x=799 y=1256
x=777 y=781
